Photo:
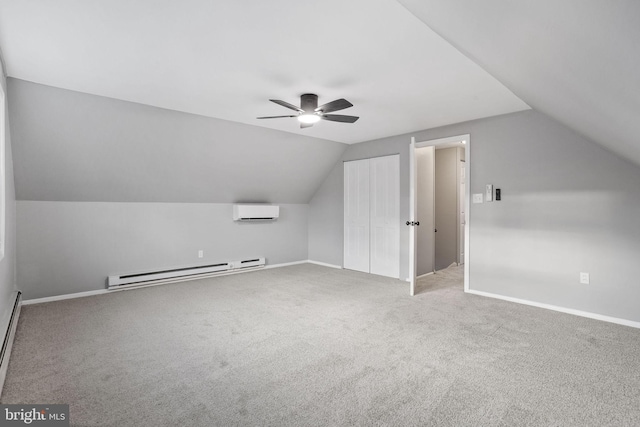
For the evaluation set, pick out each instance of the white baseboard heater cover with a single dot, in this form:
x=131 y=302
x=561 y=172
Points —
x=11 y=323
x=182 y=274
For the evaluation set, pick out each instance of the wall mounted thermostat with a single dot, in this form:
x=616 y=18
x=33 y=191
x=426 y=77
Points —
x=488 y=196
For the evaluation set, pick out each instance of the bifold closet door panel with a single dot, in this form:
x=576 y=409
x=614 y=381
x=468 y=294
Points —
x=385 y=216
x=356 y=215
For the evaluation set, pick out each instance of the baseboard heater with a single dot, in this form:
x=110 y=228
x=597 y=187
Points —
x=182 y=274
x=10 y=332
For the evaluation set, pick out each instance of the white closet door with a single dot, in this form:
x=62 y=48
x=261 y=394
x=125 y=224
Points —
x=385 y=216
x=356 y=215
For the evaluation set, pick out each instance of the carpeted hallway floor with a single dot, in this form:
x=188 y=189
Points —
x=312 y=346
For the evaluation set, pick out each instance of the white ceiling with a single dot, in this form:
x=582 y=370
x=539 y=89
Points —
x=575 y=60
x=226 y=58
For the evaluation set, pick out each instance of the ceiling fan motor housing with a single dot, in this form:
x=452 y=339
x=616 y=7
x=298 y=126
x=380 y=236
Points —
x=309 y=102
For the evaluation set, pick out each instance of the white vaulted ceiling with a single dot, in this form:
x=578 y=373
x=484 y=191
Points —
x=574 y=60
x=226 y=58
x=407 y=65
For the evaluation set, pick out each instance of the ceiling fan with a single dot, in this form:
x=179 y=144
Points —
x=309 y=112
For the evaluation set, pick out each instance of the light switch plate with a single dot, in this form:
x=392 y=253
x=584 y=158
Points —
x=477 y=198
x=489 y=193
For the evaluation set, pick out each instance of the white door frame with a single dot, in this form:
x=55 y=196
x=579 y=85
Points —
x=412 y=202
x=413 y=208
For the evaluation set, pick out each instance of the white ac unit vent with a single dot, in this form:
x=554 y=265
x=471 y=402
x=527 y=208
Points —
x=255 y=212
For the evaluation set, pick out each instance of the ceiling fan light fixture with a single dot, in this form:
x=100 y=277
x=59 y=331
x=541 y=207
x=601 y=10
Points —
x=308 y=118
x=309 y=113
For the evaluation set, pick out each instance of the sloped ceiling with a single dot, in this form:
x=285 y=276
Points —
x=575 y=60
x=72 y=146
x=226 y=58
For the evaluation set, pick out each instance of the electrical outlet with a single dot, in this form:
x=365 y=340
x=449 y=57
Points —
x=584 y=278
x=200 y=253
x=477 y=198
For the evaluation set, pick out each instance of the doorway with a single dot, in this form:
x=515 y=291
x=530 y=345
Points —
x=439 y=200
x=447 y=204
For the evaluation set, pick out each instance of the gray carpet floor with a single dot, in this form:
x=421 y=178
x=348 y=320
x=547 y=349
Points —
x=312 y=346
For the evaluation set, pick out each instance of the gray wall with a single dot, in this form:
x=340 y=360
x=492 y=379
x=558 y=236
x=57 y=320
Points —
x=425 y=199
x=72 y=146
x=446 y=201
x=326 y=219
x=8 y=263
x=326 y=211
x=67 y=247
x=462 y=202
x=568 y=206
x=84 y=163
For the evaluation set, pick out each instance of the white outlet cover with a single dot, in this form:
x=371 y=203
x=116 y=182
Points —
x=584 y=278
x=200 y=253
x=477 y=198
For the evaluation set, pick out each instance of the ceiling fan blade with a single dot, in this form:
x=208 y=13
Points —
x=338 y=104
x=286 y=104
x=339 y=118
x=305 y=125
x=274 y=117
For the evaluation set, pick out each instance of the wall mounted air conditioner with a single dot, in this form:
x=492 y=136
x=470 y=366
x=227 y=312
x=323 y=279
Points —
x=255 y=212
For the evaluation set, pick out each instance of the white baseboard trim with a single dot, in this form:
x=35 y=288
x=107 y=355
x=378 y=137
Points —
x=285 y=264
x=324 y=264
x=110 y=291
x=425 y=275
x=66 y=296
x=408 y=279
x=580 y=313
